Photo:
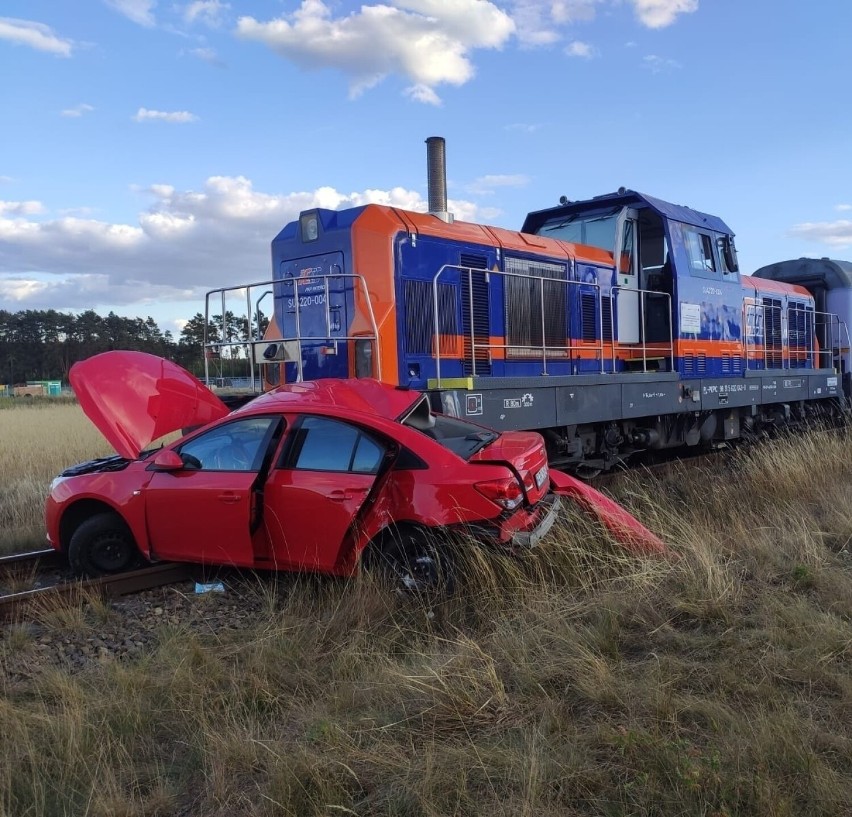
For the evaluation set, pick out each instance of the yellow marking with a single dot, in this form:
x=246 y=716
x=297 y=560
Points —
x=450 y=383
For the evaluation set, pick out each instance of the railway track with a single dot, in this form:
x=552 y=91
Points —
x=49 y=584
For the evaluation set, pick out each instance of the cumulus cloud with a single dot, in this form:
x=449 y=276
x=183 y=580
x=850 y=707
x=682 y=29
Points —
x=34 y=35
x=177 y=117
x=186 y=242
x=831 y=233
x=662 y=13
x=209 y=12
x=842 y=207
x=139 y=11
x=427 y=41
x=77 y=110
x=580 y=49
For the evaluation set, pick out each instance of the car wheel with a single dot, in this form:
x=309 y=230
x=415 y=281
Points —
x=414 y=561
x=103 y=545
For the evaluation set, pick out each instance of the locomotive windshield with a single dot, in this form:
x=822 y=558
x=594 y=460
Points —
x=596 y=230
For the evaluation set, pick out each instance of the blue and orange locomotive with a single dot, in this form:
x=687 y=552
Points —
x=611 y=325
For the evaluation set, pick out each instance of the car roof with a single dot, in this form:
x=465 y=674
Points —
x=338 y=396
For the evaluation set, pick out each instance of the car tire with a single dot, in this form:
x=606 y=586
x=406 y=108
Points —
x=414 y=561
x=103 y=545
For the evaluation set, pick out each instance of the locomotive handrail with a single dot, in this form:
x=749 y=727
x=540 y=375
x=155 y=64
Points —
x=612 y=315
x=783 y=349
x=251 y=343
x=543 y=348
x=757 y=329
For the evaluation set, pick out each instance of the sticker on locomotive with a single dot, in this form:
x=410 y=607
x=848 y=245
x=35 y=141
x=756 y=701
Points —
x=518 y=402
x=690 y=319
x=473 y=405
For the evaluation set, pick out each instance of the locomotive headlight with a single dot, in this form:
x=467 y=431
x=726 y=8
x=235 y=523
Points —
x=309 y=224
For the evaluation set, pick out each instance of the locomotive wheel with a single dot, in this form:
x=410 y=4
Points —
x=101 y=546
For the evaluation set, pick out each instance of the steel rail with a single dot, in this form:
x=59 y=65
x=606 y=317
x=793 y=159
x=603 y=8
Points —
x=14 y=605
x=20 y=564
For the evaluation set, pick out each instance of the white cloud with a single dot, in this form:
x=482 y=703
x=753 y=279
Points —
x=178 y=117
x=832 y=233
x=662 y=13
x=842 y=207
x=523 y=127
x=656 y=64
x=77 y=110
x=423 y=93
x=34 y=35
x=207 y=55
x=485 y=185
x=538 y=22
x=427 y=41
x=21 y=208
x=185 y=243
x=578 y=48
x=139 y=11
x=209 y=12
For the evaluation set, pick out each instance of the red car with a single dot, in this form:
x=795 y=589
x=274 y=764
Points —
x=317 y=476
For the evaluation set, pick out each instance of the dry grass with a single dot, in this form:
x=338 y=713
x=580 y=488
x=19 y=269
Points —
x=37 y=440
x=577 y=681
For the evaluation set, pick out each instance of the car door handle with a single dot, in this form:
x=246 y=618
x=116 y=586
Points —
x=229 y=497
x=340 y=495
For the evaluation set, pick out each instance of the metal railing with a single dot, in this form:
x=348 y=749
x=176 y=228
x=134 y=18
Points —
x=616 y=344
x=562 y=350
x=281 y=288
x=767 y=337
x=548 y=351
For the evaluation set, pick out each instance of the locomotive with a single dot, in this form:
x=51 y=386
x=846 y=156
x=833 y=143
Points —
x=612 y=325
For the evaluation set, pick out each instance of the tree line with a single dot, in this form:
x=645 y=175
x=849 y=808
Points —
x=43 y=344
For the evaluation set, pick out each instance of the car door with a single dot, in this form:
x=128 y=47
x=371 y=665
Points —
x=209 y=510
x=312 y=498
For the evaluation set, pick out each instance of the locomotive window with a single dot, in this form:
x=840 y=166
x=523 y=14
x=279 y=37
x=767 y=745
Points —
x=699 y=248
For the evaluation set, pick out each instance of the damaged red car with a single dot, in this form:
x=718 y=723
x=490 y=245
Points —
x=319 y=476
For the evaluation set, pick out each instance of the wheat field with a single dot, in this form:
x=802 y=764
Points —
x=575 y=681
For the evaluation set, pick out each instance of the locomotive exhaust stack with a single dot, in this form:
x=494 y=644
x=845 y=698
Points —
x=436 y=165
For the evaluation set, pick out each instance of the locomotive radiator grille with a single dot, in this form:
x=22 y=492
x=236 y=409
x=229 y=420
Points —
x=531 y=325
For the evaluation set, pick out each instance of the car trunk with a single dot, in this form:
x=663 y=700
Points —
x=524 y=454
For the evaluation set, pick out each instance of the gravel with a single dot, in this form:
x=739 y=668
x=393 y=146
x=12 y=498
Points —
x=124 y=629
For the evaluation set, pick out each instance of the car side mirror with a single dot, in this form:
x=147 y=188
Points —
x=167 y=460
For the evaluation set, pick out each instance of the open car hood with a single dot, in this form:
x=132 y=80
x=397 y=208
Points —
x=134 y=398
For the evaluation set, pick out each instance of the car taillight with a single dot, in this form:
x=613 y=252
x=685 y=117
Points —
x=505 y=492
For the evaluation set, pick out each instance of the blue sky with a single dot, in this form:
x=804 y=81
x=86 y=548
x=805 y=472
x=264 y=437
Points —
x=151 y=149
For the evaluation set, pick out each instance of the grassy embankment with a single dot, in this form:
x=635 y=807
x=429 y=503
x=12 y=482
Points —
x=577 y=681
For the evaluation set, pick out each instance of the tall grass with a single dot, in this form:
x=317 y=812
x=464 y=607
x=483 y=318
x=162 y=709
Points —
x=575 y=681
x=38 y=438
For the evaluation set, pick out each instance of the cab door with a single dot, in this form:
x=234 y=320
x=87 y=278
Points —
x=210 y=510
x=315 y=494
x=627 y=278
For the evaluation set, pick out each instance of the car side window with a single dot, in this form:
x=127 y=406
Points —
x=237 y=446
x=322 y=444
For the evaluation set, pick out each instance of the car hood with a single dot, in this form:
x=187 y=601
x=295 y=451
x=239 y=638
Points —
x=134 y=398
